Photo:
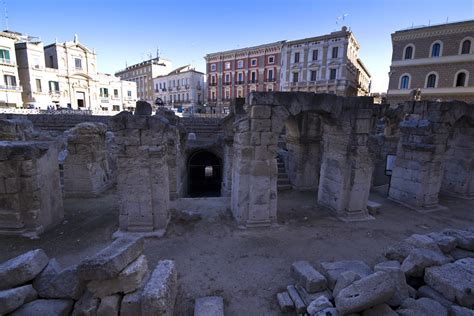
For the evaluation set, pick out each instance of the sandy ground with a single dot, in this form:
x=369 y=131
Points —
x=246 y=267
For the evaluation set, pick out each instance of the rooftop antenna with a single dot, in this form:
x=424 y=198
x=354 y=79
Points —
x=158 y=53
x=342 y=17
x=447 y=19
x=6 y=14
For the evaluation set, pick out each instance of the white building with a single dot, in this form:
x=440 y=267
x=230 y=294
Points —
x=182 y=90
x=10 y=88
x=65 y=75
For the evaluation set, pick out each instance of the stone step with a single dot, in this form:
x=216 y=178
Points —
x=285 y=187
x=283 y=182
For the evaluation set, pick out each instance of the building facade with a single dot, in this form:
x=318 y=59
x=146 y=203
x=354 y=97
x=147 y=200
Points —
x=10 y=88
x=236 y=73
x=435 y=61
x=143 y=73
x=325 y=64
x=64 y=75
x=182 y=90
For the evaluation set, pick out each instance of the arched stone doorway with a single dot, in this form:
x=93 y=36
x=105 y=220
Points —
x=204 y=174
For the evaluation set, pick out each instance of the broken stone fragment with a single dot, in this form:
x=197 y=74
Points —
x=428 y=292
x=13 y=298
x=306 y=275
x=379 y=310
x=285 y=302
x=318 y=305
x=300 y=306
x=367 y=292
x=86 y=306
x=52 y=283
x=22 y=269
x=109 y=305
x=421 y=307
x=110 y=261
x=445 y=243
x=345 y=279
x=59 y=307
x=419 y=259
x=464 y=238
x=397 y=277
x=332 y=270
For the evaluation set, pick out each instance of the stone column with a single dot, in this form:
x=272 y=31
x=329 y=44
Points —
x=418 y=171
x=30 y=193
x=86 y=167
x=254 y=178
x=142 y=182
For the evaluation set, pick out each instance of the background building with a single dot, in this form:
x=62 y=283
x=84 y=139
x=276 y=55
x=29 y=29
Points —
x=182 y=90
x=236 y=73
x=143 y=73
x=65 y=75
x=10 y=88
x=325 y=64
x=438 y=60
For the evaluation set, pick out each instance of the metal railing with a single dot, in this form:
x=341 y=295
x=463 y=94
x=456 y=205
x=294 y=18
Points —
x=11 y=88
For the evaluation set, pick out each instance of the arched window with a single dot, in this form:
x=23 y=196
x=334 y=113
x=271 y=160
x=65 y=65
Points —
x=466 y=47
x=436 y=50
x=431 y=81
x=408 y=52
x=405 y=82
x=461 y=79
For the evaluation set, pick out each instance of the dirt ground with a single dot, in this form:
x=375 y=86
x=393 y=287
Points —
x=246 y=267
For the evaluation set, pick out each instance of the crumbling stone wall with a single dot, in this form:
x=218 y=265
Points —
x=30 y=193
x=346 y=166
x=86 y=168
x=143 y=182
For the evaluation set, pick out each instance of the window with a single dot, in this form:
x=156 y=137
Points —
x=213 y=67
x=436 y=50
x=408 y=52
x=187 y=96
x=315 y=54
x=78 y=63
x=38 y=85
x=295 y=77
x=335 y=52
x=213 y=95
x=104 y=92
x=466 y=47
x=405 y=82
x=227 y=94
x=240 y=64
x=270 y=75
x=461 y=79
x=227 y=78
x=116 y=93
x=129 y=93
x=10 y=80
x=271 y=59
x=313 y=75
x=253 y=62
x=213 y=80
x=269 y=89
x=431 y=81
x=115 y=107
x=5 y=56
x=332 y=74
x=178 y=97
x=254 y=76
x=297 y=57
x=227 y=65
x=54 y=86
x=240 y=77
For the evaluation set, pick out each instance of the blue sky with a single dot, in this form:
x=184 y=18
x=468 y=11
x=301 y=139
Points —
x=186 y=30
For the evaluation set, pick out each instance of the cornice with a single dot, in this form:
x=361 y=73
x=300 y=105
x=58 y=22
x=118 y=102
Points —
x=424 y=33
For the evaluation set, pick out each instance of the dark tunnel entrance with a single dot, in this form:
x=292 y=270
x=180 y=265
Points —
x=204 y=175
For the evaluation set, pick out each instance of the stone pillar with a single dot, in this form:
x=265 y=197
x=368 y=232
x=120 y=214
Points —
x=30 y=193
x=458 y=177
x=226 y=187
x=142 y=182
x=254 y=178
x=418 y=170
x=86 y=167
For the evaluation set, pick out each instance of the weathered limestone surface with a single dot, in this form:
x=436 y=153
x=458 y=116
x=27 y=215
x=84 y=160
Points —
x=379 y=310
x=109 y=306
x=143 y=174
x=398 y=279
x=86 y=306
x=285 y=302
x=422 y=307
x=13 y=298
x=305 y=274
x=22 y=269
x=209 y=306
x=30 y=192
x=16 y=129
x=86 y=167
x=61 y=284
x=45 y=308
x=159 y=295
x=109 y=262
x=332 y=270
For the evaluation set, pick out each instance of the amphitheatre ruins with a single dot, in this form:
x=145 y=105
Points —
x=294 y=203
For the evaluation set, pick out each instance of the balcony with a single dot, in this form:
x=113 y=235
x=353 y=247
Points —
x=212 y=84
x=178 y=88
x=254 y=81
x=228 y=83
x=270 y=80
x=11 y=88
x=198 y=87
x=186 y=87
x=240 y=82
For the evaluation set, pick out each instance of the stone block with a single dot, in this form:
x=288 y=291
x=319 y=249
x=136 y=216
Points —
x=332 y=270
x=209 y=306
x=159 y=295
x=13 y=298
x=345 y=279
x=300 y=306
x=309 y=297
x=419 y=259
x=379 y=310
x=109 y=305
x=421 y=307
x=285 y=302
x=142 y=108
x=261 y=125
x=41 y=282
x=306 y=275
x=86 y=306
x=45 y=308
x=22 y=269
x=458 y=253
x=318 y=305
x=455 y=281
x=110 y=261
x=63 y=284
x=367 y=292
x=373 y=207
x=445 y=243
x=460 y=311
x=128 y=280
x=397 y=277
x=427 y=291
x=464 y=238
x=260 y=112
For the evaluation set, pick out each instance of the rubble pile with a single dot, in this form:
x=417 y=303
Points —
x=115 y=281
x=430 y=274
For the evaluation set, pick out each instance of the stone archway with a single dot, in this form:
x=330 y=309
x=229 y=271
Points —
x=204 y=174
x=346 y=166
